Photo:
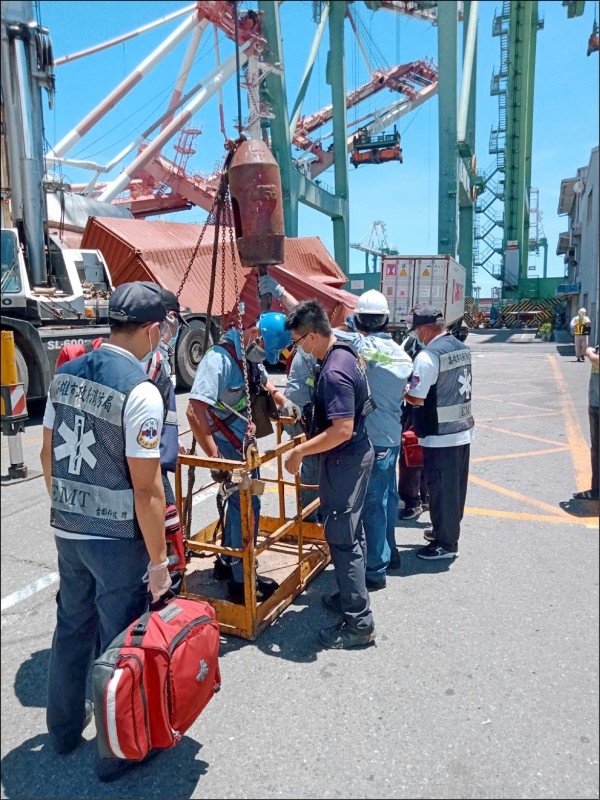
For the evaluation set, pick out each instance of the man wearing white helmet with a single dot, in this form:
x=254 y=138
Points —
x=581 y=327
x=388 y=371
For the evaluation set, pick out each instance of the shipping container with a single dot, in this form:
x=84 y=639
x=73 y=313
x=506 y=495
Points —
x=438 y=280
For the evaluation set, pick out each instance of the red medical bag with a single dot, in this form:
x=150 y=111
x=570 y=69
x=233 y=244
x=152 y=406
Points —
x=155 y=678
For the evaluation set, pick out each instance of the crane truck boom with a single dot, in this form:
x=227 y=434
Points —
x=51 y=295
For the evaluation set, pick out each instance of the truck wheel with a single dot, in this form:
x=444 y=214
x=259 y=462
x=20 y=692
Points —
x=22 y=370
x=189 y=353
x=461 y=333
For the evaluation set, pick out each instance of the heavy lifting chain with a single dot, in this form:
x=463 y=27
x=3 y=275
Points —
x=216 y=217
x=220 y=211
x=251 y=431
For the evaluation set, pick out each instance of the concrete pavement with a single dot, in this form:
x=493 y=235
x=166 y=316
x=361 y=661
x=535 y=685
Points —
x=484 y=680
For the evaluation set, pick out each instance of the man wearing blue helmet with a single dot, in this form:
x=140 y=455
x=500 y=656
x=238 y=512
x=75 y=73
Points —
x=218 y=416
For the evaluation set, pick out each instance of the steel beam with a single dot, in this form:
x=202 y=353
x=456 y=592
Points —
x=319 y=199
x=148 y=64
x=465 y=212
x=217 y=78
x=280 y=125
x=448 y=154
x=296 y=111
x=519 y=127
x=337 y=79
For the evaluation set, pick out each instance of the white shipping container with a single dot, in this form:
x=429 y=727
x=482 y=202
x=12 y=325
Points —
x=437 y=280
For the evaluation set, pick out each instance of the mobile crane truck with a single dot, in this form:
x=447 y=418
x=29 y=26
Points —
x=51 y=295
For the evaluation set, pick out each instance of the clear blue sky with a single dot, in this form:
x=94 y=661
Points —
x=404 y=195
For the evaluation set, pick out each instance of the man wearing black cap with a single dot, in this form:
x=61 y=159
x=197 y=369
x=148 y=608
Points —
x=440 y=394
x=160 y=372
x=100 y=458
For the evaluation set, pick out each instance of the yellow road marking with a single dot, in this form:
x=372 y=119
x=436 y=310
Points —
x=517 y=496
x=521 y=435
x=480 y=459
x=580 y=451
x=520 y=515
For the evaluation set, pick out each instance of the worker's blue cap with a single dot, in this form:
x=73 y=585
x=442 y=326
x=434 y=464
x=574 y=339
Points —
x=137 y=302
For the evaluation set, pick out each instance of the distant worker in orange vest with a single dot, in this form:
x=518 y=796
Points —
x=581 y=327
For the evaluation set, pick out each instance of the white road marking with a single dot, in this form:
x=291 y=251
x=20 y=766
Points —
x=23 y=594
x=206 y=495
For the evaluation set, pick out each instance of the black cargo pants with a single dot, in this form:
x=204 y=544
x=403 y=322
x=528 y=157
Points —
x=447 y=474
x=343 y=479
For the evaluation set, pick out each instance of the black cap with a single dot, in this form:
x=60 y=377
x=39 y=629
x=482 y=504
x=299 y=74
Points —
x=172 y=304
x=423 y=314
x=139 y=302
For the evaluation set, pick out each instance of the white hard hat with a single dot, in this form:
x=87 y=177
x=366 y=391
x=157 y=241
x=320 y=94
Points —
x=582 y=311
x=372 y=302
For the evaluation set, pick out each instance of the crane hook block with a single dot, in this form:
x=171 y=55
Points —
x=255 y=185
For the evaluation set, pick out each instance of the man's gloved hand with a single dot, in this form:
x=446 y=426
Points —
x=220 y=475
x=268 y=285
x=159 y=579
x=290 y=409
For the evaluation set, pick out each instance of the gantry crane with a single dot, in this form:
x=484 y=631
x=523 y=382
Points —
x=375 y=244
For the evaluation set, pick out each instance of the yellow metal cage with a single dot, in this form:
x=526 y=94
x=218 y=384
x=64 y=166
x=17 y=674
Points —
x=291 y=549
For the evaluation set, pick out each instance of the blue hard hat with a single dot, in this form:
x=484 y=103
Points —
x=274 y=334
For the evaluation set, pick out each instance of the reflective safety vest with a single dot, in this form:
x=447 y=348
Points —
x=581 y=326
x=91 y=491
x=447 y=407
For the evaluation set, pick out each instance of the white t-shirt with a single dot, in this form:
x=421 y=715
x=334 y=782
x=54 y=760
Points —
x=144 y=403
x=425 y=374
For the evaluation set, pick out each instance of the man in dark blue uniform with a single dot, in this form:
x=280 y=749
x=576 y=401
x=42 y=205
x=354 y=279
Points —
x=440 y=394
x=340 y=404
x=100 y=457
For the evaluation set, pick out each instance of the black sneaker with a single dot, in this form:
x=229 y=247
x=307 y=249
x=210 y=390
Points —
x=373 y=585
x=222 y=571
x=265 y=587
x=435 y=552
x=395 y=561
x=410 y=513
x=429 y=535
x=589 y=494
x=332 y=602
x=342 y=637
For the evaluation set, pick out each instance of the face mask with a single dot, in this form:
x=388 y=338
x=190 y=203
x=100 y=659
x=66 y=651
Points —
x=255 y=353
x=169 y=330
x=148 y=357
x=302 y=351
